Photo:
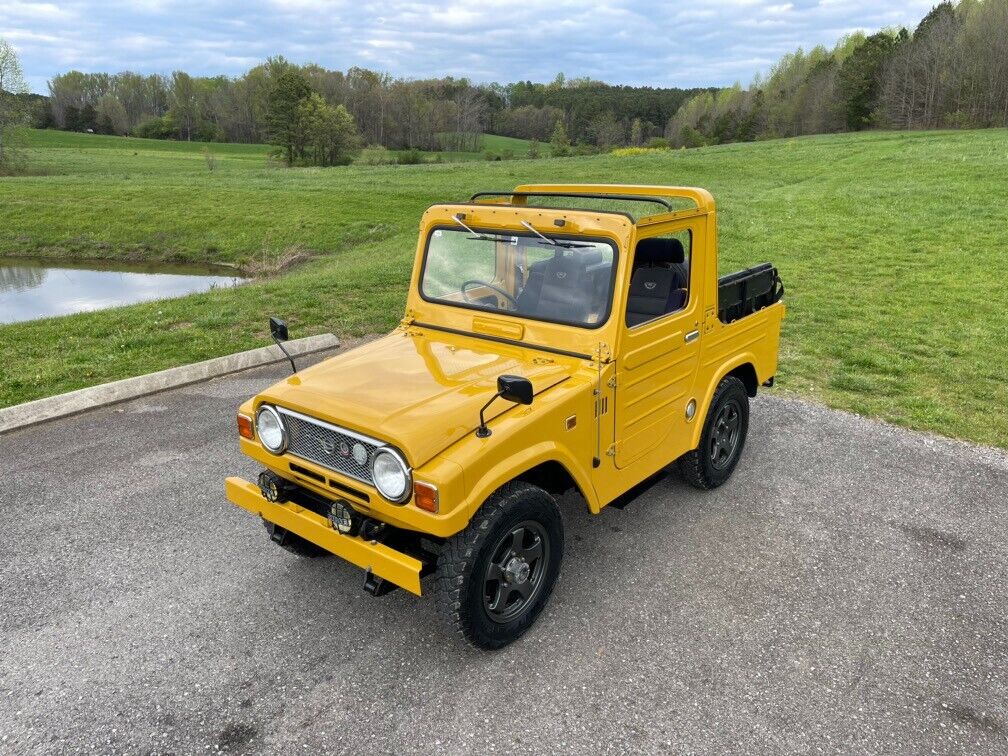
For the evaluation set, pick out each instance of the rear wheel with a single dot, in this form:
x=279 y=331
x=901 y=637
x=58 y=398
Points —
x=494 y=578
x=722 y=439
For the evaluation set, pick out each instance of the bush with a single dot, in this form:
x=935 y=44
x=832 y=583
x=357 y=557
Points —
x=690 y=137
x=156 y=128
x=409 y=157
x=375 y=154
x=658 y=143
x=631 y=151
x=957 y=120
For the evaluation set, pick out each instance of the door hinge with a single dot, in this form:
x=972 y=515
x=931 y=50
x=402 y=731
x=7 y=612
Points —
x=710 y=320
x=611 y=383
x=611 y=451
x=602 y=353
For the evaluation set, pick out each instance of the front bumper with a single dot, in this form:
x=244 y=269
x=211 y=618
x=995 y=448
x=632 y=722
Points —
x=383 y=561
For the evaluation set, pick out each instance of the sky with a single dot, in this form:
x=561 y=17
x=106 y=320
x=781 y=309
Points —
x=684 y=44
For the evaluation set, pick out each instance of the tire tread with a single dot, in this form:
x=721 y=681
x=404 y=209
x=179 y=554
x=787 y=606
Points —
x=458 y=556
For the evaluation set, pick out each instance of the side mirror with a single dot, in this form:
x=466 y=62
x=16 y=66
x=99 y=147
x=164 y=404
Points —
x=512 y=388
x=515 y=388
x=278 y=329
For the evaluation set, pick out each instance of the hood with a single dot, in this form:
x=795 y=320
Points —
x=420 y=390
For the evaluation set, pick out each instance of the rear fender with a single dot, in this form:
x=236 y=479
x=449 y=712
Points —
x=746 y=358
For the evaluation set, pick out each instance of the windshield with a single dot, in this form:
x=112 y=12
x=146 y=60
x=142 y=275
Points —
x=567 y=282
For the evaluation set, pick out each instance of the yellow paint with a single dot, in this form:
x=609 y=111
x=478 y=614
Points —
x=384 y=562
x=421 y=387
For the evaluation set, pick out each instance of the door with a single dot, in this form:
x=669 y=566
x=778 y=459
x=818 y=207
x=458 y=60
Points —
x=659 y=348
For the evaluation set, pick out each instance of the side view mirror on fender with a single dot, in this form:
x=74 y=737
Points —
x=514 y=388
x=278 y=329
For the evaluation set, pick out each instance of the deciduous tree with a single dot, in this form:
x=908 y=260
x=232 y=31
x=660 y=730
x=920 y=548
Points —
x=13 y=91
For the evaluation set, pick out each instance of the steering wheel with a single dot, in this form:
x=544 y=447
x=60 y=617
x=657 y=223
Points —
x=496 y=289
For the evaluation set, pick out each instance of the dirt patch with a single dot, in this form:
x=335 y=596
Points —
x=270 y=263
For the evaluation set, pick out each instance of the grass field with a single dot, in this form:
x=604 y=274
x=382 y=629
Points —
x=892 y=247
x=498 y=144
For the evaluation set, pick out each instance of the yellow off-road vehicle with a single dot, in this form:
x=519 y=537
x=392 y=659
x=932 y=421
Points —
x=546 y=346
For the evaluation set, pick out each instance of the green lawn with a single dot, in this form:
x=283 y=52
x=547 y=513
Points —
x=497 y=144
x=892 y=247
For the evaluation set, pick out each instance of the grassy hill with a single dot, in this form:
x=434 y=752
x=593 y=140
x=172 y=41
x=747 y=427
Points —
x=891 y=246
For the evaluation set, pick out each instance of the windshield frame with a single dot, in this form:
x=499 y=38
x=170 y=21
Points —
x=524 y=233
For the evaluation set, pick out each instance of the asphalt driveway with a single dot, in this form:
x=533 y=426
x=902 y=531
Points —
x=846 y=592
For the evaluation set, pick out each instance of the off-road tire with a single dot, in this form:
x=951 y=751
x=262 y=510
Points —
x=462 y=569
x=698 y=467
x=292 y=542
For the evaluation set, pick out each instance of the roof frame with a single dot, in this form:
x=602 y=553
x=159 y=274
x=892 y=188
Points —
x=658 y=195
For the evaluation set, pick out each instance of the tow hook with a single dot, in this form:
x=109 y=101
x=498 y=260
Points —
x=377 y=586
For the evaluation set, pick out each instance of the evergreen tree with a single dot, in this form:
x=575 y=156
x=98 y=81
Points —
x=283 y=120
x=860 y=78
x=560 y=142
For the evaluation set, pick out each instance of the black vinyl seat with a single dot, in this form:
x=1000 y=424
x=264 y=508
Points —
x=658 y=285
x=664 y=252
x=563 y=287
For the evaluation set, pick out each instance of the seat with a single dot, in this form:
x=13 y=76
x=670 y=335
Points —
x=562 y=288
x=665 y=252
x=659 y=280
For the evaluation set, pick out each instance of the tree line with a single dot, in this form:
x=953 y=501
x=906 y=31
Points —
x=950 y=72
x=396 y=113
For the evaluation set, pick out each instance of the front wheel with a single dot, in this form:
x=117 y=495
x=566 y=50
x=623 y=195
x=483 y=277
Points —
x=722 y=438
x=494 y=578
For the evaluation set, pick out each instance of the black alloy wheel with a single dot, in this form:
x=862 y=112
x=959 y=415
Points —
x=722 y=438
x=494 y=577
x=725 y=434
x=515 y=572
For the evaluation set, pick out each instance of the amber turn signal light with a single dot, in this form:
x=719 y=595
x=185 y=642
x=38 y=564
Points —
x=425 y=496
x=245 y=427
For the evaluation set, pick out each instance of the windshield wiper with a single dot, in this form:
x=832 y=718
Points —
x=475 y=234
x=544 y=240
x=553 y=242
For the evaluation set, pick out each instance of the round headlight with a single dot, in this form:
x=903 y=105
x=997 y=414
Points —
x=390 y=474
x=271 y=429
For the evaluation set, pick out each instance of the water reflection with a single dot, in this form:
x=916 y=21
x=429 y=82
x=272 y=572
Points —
x=31 y=289
x=20 y=278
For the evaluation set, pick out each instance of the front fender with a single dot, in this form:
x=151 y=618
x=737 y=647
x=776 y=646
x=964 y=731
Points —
x=530 y=457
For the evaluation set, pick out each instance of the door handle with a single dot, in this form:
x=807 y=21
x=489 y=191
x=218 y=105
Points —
x=692 y=336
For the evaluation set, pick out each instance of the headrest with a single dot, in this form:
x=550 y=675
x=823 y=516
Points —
x=658 y=251
x=575 y=258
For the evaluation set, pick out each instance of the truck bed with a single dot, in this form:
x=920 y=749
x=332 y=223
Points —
x=748 y=291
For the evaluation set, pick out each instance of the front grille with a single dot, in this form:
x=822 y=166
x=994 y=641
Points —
x=327 y=445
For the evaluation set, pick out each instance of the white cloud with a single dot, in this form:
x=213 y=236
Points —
x=622 y=41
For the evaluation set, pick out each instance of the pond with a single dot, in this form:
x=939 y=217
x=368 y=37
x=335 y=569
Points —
x=31 y=289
